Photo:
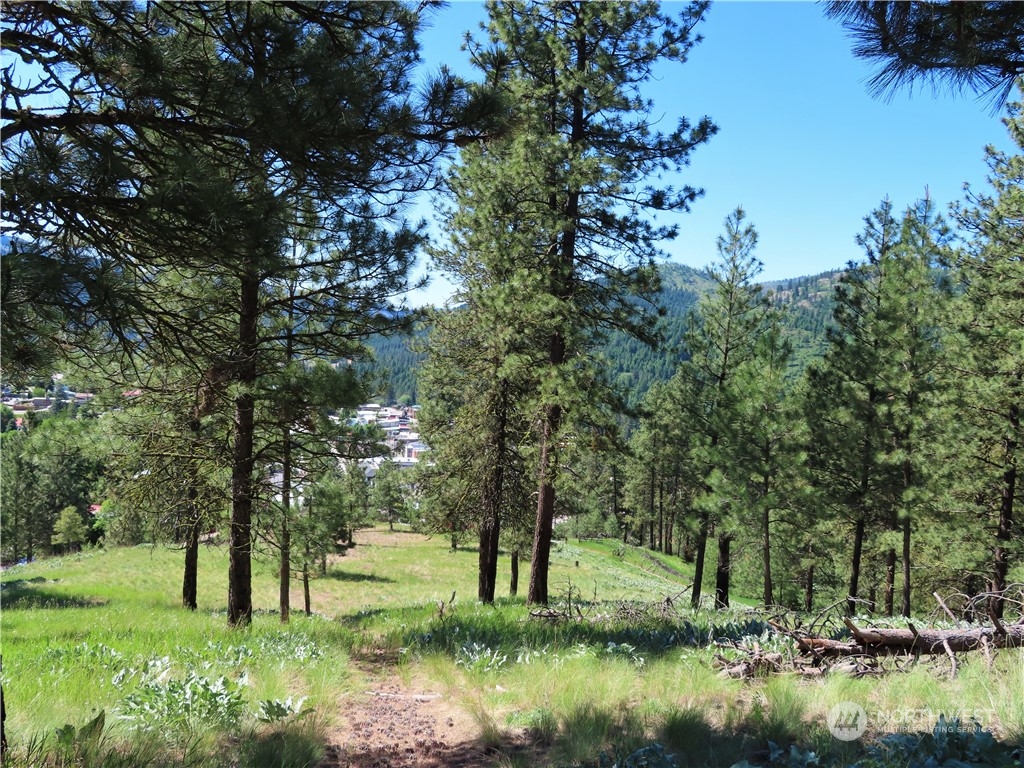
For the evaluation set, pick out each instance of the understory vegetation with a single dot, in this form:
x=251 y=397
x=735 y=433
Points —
x=102 y=668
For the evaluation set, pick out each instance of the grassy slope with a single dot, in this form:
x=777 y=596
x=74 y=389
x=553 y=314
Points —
x=69 y=626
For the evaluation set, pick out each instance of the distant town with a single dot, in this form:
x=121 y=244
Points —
x=397 y=423
x=401 y=435
x=22 y=402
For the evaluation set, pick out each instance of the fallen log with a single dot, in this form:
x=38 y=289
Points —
x=935 y=640
x=885 y=641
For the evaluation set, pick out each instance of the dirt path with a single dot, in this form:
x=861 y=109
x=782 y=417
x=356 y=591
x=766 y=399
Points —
x=397 y=725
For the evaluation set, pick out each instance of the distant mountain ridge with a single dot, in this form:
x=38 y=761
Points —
x=634 y=366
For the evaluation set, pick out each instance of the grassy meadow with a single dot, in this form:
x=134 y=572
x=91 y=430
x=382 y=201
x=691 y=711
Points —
x=103 y=632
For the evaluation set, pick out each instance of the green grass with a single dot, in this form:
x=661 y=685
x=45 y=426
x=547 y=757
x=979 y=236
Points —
x=103 y=631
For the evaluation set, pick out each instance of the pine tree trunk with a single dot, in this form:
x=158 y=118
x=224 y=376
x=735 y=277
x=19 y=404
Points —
x=3 y=721
x=905 y=607
x=305 y=589
x=513 y=585
x=493 y=491
x=908 y=483
x=190 y=576
x=809 y=589
x=190 y=579
x=489 y=533
x=858 y=548
x=722 y=570
x=538 y=589
x=285 y=581
x=243 y=462
x=687 y=550
x=670 y=519
x=866 y=459
x=306 y=602
x=890 y=581
x=698 y=563
x=650 y=506
x=766 y=556
x=1004 y=527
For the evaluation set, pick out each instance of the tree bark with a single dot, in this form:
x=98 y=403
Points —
x=766 y=553
x=698 y=564
x=670 y=520
x=722 y=570
x=190 y=579
x=493 y=492
x=3 y=720
x=538 y=590
x=1004 y=527
x=307 y=603
x=858 y=548
x=243 y=462
x=190 y=576
x=489 y=534
x=905 y=606
x=809 y=589
x=513 y=584
x=866 y=462
x=890 y=581
x=285 y=580
x=873 y=641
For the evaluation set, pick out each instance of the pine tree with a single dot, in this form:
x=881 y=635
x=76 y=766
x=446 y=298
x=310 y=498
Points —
x=991 y=367
x=724 y=336
x=874 y=399
x=764 y=453
x=917 y=407
x=168 y=459
x=974 y=45
x=388 y=495
x=168 y=158
x=582 y=148
x=70 y=530
x=474 y=420
x=660 y=483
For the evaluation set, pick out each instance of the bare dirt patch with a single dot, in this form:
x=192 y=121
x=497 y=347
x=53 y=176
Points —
x=393 y=724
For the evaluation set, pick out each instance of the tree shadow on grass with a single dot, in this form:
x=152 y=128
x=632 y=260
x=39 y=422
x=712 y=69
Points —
x=629 y=635
x=347 y=576
x=25 y=595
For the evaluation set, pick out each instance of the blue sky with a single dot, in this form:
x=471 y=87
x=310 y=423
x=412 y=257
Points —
x=802 y=145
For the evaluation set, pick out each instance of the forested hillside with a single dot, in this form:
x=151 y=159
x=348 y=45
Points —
x=396 y=362
x=635 y=366
x=208 y=218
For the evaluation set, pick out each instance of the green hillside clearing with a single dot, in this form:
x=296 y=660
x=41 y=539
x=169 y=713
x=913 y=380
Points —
x=392 y=671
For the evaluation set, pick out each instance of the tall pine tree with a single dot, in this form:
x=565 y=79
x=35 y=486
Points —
x=583 y=147
x=724 y=336
x=873 y=400
x=990 y=269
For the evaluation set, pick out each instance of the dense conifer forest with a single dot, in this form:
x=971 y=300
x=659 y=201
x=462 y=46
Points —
x=637 y=366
